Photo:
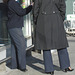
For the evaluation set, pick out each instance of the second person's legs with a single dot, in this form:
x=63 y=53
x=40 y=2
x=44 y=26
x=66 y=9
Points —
x=63 y=58
x=48 y=61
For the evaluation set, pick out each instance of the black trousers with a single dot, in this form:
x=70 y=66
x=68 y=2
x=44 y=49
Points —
x=63 y=59
x=18 y=48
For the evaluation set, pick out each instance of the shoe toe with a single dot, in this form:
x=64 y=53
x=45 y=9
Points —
x=24 y=70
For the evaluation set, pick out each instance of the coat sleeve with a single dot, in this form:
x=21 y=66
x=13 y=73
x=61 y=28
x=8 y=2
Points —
x=14 y=6
x=62 y=9
x=35 y=11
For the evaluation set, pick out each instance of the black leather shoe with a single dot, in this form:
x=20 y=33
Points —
x=24 y=70
x=67 y=69
x=52 y=73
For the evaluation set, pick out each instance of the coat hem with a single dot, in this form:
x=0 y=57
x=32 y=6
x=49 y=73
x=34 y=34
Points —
x=50 y=48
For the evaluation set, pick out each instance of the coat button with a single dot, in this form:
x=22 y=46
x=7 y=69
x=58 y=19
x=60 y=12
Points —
x=53 y=12
x=43 y=12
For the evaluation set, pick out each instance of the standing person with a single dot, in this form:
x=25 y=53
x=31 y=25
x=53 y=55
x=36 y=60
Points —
x=14 y=25
x=50 y=34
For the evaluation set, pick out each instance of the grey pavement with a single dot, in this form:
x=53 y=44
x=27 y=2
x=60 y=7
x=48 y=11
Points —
x=35 y=64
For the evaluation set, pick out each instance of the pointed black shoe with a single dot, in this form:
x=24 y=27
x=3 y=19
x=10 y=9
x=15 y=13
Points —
x=24 y=70
x=52 y=73
x=67 y=69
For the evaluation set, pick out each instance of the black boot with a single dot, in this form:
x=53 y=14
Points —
x=52 y=73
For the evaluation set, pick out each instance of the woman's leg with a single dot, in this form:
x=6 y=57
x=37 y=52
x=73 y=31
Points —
x=13 y=56
x=63 y=58
x=19 y=40
x=48 y=63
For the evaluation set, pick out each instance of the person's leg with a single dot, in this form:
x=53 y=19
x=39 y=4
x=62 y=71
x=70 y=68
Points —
x=63 y=58
x=48 y=63
x=13 y=56
x=19 y=40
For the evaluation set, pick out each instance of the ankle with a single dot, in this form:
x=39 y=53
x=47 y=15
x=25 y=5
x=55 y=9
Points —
x=70 y=68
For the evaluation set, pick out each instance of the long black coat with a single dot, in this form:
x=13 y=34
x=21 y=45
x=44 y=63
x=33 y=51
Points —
x=48 y=18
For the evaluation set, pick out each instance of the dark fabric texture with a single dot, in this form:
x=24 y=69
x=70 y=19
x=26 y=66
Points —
x=63 y=59
x=18 y=48
x=48 y=18
x=16 y=13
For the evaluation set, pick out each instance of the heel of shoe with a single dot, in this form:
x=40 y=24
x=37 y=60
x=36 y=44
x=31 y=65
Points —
x=67 y=69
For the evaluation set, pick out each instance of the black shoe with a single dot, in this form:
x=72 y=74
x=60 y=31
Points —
x=24 y=70
x=52 y=73
x=67 y=69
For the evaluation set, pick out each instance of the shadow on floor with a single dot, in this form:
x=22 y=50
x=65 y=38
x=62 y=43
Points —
x=31 y=61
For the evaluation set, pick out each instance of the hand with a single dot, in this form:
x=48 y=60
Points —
x=32 y=3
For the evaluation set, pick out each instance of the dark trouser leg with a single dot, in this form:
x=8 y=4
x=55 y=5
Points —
x=48 y=61
x=63 y=58
x=13 y=55
x=19 y=40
